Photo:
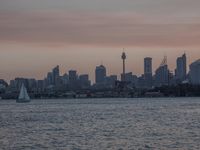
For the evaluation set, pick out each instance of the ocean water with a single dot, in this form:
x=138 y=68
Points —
x=90 y=124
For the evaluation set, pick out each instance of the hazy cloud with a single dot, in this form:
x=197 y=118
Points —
x=111 y=29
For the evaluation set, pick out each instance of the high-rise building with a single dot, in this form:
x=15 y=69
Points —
x=32 y=83
x=65 y=79
x=148 y=71
x=162 y=74
x=148 y=65
x=72 y=75
x=84 y=81
x=50 y=78
x=181 y=68
x=100 y=74
x=195 y=72
x=55 y=75
x=73 y=80
x=40 y=85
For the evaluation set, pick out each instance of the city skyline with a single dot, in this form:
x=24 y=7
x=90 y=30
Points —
x=99 y=74
x=92 y=77
x=37 y=35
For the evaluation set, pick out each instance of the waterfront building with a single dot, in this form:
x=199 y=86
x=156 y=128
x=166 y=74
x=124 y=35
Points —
x=55 y=75
x=73 y=80
x=65 y=79
x=49 y=79
x=3 y=83
x=40 y=85
x=110 y=81
x=128 y=77
x=181 y=68
x=140 y=82
x=72 y=75
x=148 y=71
x=162 y=74
x=32 y=84
x=100 y=74
x=194 y=73
x=84 y=81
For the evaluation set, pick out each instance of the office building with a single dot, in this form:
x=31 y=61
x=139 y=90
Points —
x=100 y=74
x=55 y=75
x=148 y=71
x=194 y=73
x=162 y=74
x=84 y=81
x=181 y=68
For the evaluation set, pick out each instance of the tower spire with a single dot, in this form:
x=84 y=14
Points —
x=123 y=59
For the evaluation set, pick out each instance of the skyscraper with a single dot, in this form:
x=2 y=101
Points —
x=148 y=71
x=55 y=74
x=100 y=74
x=162 y=74
x=181 y=68
x=73 y=79
x=49 y=78
x=72 y=75
x=195 y=72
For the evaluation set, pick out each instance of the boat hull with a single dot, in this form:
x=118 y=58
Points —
x=22 y=101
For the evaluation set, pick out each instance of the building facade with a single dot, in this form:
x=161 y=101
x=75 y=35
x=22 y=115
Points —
x=194 y=73
x=100 y=74
x=181 y=68
x=148 y=71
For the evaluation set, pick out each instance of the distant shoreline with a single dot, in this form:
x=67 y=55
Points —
x=104 y=98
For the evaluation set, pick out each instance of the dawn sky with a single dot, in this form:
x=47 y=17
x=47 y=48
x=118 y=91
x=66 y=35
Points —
x=36 y=35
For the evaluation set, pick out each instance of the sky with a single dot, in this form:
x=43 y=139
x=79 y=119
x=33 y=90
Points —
x=37 y=35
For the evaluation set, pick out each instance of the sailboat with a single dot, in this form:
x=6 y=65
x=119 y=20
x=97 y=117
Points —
x=23 y=95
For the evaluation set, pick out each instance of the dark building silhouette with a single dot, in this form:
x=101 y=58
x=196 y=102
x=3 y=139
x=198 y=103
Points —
x=181 y=68
x=162 y=74
x=84 y=81
x=3 y=83
x=55 y=75
x=194 y=73
x=73 y=79
x=55 y=85
x=148 y=71
x=72 y=75
x=49 y=79
x=100 y=74
x=123 y=78
x=110 y=81
x=40 y=85
x=65 y=79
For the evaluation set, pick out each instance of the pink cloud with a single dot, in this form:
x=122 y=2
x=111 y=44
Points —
x=98 y=29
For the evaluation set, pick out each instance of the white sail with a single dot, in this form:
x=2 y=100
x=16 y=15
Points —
x=23 y=94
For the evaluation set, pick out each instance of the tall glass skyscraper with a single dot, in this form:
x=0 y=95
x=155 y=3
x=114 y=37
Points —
x=181 y=68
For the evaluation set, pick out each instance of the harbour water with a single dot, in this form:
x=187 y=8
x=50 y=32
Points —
x=89 y=124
